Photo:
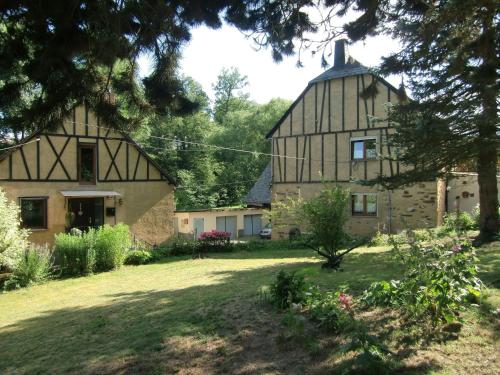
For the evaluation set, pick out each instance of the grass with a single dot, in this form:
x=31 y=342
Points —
x=205 y=316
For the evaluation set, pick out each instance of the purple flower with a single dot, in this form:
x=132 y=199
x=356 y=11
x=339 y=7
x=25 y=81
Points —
x=456 y=248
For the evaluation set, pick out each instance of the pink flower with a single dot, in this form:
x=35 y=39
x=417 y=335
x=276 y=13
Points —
x=345 y=301
x=214 y=235
x=456 y=248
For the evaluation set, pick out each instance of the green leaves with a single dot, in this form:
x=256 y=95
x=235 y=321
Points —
x=439 y=280
x=289 y=288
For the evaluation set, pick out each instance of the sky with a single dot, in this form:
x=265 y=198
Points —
x=211 y=50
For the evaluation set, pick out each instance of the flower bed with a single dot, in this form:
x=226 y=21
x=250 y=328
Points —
x=214 y=241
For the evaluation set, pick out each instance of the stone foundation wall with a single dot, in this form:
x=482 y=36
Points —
x=412 y=207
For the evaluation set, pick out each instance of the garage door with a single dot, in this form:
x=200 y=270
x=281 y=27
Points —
x=252 y=224
x=227 y=224
x=198 y=226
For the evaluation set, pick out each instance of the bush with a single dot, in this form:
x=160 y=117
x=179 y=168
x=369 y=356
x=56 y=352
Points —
x=32 y=268
x=111 y=246
x=287 y=289
x=100 y=249
x=424 y=235
x=214 y=241
x=160 y=253
x=459 y=222
x=13 y=239
x=76 y=254
x=182 y=246
x=137 y=257
x=384 y=239
x=331 y=310
x=382 y=293
x=379 y=239
x=439 y=280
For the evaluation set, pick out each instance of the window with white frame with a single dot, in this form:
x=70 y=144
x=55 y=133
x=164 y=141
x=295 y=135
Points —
x=363 y=149
x=364 y=204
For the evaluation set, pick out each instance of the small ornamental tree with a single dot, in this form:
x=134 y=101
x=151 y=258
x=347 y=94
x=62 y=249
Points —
x=325 y=216
x=321 y=220
x=13 y=239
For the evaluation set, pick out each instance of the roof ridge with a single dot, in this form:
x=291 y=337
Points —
x=351 y=67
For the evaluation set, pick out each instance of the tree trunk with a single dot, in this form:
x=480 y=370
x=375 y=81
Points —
x=489 y=222
x=488 y=190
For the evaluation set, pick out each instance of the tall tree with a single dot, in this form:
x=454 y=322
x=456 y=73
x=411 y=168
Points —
x=450 y=55
x=449 y=52
x=229 y=94
x=56 y=53
x=244 y=128
x=173 y=140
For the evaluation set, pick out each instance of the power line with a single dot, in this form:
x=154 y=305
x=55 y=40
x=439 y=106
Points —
x=20 y=144
x=255 y=153
x=249 y=152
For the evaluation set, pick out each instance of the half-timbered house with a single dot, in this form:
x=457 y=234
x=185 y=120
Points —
x=82 y=175
x=335 y=132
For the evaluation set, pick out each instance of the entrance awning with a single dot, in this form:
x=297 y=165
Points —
x=89 y=193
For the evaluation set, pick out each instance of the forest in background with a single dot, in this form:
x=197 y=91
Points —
x=209 y=177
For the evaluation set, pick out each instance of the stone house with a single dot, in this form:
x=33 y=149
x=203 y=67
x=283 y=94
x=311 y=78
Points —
x=335 y=132
x=83 y=175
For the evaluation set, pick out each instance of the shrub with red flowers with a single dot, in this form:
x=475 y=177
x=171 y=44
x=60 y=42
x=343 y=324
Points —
x=214 y=241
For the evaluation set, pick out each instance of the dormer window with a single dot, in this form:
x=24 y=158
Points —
x=87 y=164
x=364 y=149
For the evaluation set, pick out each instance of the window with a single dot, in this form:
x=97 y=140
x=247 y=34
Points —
x=34 y=213
x=364 y=149
x=86 y=164
x=364 y=204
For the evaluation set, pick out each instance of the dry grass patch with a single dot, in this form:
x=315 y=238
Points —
x=205 y=317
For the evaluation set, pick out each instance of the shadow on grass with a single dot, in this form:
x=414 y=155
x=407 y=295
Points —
x=215 y=328
x=489 y=271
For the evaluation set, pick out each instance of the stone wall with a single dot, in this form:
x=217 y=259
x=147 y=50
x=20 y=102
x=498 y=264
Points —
x=412 y=207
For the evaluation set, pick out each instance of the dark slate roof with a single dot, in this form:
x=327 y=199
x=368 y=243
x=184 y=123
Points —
x=260 y=193
x=350 y=68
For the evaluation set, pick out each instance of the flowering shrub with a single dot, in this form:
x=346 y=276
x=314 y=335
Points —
x=346 y=302
x=214 y=241
x=330 y=310
x=13 y=239
x=215 y=235
x=439 y=280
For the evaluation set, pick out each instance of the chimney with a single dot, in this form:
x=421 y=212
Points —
x=340 y=55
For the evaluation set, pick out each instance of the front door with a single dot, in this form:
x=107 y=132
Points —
x=86 y=212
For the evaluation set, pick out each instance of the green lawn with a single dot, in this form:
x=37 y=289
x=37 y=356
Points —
x=205 y=316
